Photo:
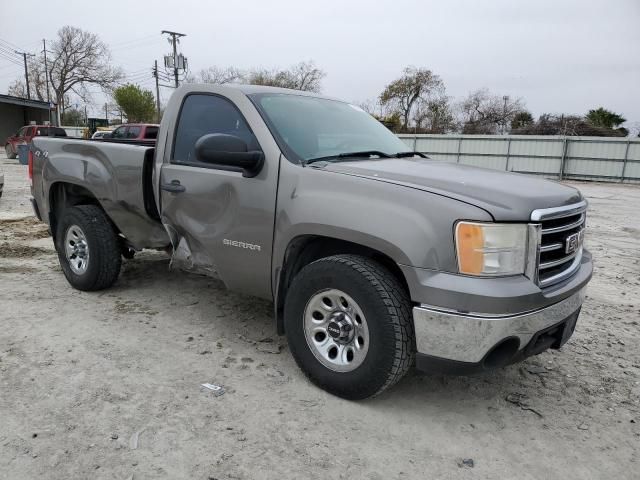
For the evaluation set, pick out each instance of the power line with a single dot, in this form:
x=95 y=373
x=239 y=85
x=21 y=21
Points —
x=7 y=50
x=11 y=46
x=10 y=59
x=9 y=53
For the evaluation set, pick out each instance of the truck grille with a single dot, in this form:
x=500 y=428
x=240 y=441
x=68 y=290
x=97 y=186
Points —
x=562 y=230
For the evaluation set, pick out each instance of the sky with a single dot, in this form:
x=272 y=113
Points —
x=559 y=56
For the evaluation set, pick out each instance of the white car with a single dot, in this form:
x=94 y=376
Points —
x=101 y=134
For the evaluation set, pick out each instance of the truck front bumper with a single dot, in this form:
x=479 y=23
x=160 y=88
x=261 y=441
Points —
x=462 y=343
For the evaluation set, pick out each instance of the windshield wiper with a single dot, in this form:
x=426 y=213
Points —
x=409 y=154
x=362 y=154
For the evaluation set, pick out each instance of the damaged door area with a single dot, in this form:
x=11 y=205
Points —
x=220 y=222
x=184 y=257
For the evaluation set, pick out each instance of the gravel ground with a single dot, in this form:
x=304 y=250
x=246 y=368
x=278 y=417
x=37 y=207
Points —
x=107 y=384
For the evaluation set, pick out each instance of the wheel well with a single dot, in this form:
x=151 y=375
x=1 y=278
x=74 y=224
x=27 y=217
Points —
x=304 y=250
x=63 y=195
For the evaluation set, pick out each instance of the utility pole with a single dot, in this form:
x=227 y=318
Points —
x=174 y=41
x=155 y=74
x=26 y=70
x=504 y=114
x=46 y=75
x=106 y=114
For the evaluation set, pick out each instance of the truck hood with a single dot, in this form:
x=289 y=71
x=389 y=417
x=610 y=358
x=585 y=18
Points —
x=506 y=196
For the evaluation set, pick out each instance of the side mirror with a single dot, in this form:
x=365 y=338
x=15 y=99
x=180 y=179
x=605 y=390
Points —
x=229 y=152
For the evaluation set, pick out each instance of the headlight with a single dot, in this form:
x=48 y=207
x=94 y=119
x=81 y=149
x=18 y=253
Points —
x=491 y=249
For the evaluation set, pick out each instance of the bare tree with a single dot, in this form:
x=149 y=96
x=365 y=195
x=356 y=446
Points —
x=305 y=76
x=80 y=59
x=302 y=76
x=218 y=76
x=434 y=116
x=569 y=125
x=37 y=82
x=372 y=107
x=482 y=112
x=415 y=85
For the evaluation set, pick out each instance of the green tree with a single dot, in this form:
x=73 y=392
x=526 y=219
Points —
x=521 y=120
x=416 y=85
x=73 y=117
x=601 y=117
x=137 y=103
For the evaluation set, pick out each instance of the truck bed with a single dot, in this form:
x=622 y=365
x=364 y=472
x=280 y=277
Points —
x=117 y=174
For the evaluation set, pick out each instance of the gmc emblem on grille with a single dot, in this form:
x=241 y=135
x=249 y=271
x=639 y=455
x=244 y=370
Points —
x=574 y=242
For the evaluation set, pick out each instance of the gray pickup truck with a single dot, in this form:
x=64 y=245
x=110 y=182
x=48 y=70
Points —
x=376 y=258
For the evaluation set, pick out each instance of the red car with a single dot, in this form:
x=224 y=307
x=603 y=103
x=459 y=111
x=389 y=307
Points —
x=136 y=131
x=26 y=134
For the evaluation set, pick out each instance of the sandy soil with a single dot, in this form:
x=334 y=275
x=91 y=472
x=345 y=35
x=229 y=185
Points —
x=107 y=385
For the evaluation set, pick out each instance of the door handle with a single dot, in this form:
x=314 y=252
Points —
x=173 y=187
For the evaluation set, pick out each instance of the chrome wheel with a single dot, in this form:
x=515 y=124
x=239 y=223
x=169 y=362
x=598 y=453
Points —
x=336 y=330
x=76 y=249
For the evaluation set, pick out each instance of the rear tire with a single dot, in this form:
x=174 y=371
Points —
x=386 y=342
x=9 y=151
x=88 y=248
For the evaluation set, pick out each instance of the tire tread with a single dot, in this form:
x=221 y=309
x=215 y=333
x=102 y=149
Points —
x=398 y=304
x=107 y=253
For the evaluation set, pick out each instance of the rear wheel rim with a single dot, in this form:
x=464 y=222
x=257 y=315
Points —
x=76 y=250
x=336 y=330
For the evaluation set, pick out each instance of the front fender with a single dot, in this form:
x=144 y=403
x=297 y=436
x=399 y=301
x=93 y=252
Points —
x=410 y=226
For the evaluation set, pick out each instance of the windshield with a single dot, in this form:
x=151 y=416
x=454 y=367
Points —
x=314 y=127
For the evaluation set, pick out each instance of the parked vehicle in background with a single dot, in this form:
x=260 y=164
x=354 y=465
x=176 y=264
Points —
x=102 y=134
x=136 y=131
x=27 y=133
x=74 y=132
x=374 y=257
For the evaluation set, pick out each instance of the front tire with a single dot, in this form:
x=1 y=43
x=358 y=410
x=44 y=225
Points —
x=349 y=326
x=9 y=151
x=88 y=248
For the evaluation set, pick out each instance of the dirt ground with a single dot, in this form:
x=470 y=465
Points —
x=106 y=385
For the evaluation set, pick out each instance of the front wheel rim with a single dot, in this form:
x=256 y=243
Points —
x=76 y=250
x=336 y=330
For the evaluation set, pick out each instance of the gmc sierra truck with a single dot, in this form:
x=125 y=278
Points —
x=376 y=258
